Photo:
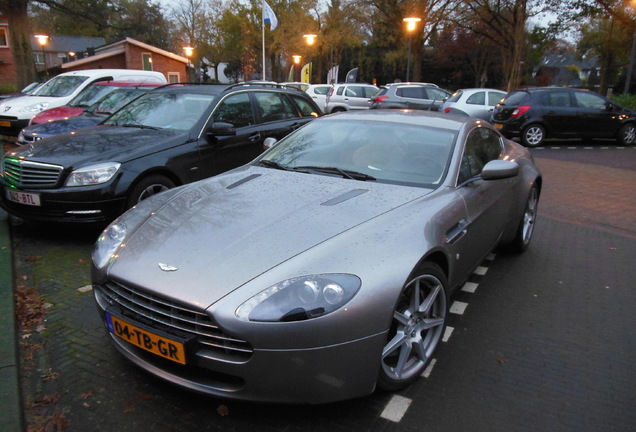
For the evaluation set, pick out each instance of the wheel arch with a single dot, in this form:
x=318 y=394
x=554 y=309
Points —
x=162 y=171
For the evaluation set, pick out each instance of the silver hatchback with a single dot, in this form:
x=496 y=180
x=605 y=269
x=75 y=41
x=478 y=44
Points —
x=474 y=102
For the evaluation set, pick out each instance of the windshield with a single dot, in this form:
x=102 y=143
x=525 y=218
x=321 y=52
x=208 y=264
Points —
x=90 y=95
x=163 y=110
x=385 y=152
x=60 y=86
x=116 y=99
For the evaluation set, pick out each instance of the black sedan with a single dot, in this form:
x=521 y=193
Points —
x=174 y=135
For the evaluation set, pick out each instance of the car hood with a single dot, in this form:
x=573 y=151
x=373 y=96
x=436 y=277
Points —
x=14 y=105
x=218 y=234
x=57 y=114
x=58 y=127
x=100 y=144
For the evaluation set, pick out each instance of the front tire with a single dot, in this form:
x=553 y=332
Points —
x=528 y=220
x=148 y=187
x=627 y=134
x=417 y=327
x=533 y=135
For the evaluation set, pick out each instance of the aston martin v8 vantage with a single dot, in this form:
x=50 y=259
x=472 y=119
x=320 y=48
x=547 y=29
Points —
x=323 y=269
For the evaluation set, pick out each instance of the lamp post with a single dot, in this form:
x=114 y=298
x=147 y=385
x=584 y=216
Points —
x=411 y=25
x=42 y=40
x=189 y=51
x=311 y=39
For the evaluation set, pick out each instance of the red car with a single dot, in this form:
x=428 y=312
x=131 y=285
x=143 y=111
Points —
x=86 y=98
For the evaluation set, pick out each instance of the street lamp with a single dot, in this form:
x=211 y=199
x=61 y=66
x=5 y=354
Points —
x=411 y=25
x=189 y=51
x=42 y=40
x=310 y=38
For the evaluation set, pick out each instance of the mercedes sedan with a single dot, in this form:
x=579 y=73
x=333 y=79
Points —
x=323 y=269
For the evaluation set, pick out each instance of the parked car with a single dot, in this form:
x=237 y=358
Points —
x=415 y=96
x=15 y=113
x=90 y=116
x=30 y=89
x=318 y=93
x=173 y=135
x=279 y=281
x=474 y=102
x=535 y=114
x=86 y=98
x=298 y=85
x=349 y=96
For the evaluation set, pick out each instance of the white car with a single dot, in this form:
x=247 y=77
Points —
x=319 y=92
x=350 y=96
x=16 y=113
x=475 y=102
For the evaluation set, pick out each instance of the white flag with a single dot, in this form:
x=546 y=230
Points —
x=269 y=15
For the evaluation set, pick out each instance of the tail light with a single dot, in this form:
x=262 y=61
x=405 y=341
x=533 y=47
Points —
x=447 y=110
x=520 y=111
x=379 y=99
x=330 y=92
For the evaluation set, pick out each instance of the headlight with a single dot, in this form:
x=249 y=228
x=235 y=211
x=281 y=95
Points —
x=36 y=108
x=93 y=174
x=108 y=243
x=300 y=298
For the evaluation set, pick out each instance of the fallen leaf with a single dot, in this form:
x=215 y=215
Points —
x=223 y=410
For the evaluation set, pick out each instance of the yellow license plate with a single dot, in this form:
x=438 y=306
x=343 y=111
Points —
x=5 y=123
x=159 y=345
x=499 y=125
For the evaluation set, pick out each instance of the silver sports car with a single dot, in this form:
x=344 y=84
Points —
x=322 y=269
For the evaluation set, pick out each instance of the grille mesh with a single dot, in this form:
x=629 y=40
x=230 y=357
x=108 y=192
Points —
x=31 y=174
x=178 y=317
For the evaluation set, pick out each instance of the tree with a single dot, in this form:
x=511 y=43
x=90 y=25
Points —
x=19 y=34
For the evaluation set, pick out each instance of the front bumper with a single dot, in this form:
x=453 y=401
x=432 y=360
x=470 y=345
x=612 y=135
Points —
x=298 y=376
x=87 y=205
x=11 y=126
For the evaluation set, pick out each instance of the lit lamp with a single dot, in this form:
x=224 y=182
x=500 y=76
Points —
x=411 y=25
x=71 y=55
x=189 y=51
x=296 y=59
x=310 y=38
x=42 y=40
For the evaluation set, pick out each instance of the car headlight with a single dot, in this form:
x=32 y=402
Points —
x=300 y=298
x=108 y=243
x=35 y=108
x=93 y=174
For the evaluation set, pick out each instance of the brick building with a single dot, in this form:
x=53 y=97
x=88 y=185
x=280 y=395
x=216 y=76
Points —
x=132 y=54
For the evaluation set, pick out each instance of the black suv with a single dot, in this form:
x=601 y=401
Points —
x=416 y=96
x=535 y=114
x=173 y=135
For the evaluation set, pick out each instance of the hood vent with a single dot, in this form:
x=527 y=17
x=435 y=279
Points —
x=344 y=197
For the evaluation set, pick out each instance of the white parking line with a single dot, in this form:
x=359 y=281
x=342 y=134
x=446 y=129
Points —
x=396 y=408
x=447 y=333
x=429 y=368
x=458 y=307
x=481 y=270
x=470 y=287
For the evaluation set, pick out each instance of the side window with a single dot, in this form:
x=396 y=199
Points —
x=494 y=98
x=305 y=107
x=557 y=99
x=482 y=146
x=339 y=91
x=274 y=106
x=436 y=94
x=369 y=91
x=478 y=98
x=411 y=92
x=589 y=100
x=321 y=90
x=236 y=110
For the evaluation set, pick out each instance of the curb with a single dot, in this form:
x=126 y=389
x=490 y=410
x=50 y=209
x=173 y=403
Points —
x=10 y=396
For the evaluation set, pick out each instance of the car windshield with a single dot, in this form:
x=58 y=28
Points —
x=456 y=96
x=115 y=100
x=385 y=152
x=60 y=86
x=90 y=95
x=163 y=110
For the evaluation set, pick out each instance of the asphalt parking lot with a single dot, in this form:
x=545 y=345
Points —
x=540 y=341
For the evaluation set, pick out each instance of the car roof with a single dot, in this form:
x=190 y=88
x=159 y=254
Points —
x=127 y=84
x=416 y=117
x=415 y=84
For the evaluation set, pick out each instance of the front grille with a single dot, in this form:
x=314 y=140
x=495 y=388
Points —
x=182 y=319
x=24 y=173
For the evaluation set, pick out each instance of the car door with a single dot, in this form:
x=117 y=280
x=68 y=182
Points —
x=559 y=113
x=412 y=97
x=220 y=153
x=594 y=117
x=487 y=202
x=356 y=97
x=276 y=114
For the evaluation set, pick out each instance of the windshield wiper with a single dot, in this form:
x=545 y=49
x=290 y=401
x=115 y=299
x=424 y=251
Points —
x=353 y=175
x=140 y=126
x=272 y=164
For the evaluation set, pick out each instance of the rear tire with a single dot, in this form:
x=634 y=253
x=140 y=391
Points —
x=147 y=187
x=533 y=135
x=627 y=134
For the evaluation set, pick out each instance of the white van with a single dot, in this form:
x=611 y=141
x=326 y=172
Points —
x=16 y=113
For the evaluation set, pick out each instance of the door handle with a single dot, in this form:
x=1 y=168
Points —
x=457 y=231
x=255 y=137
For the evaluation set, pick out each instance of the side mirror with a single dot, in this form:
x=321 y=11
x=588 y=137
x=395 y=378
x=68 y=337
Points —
x=221 y=129
x=500 y=169
x=269 y=143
